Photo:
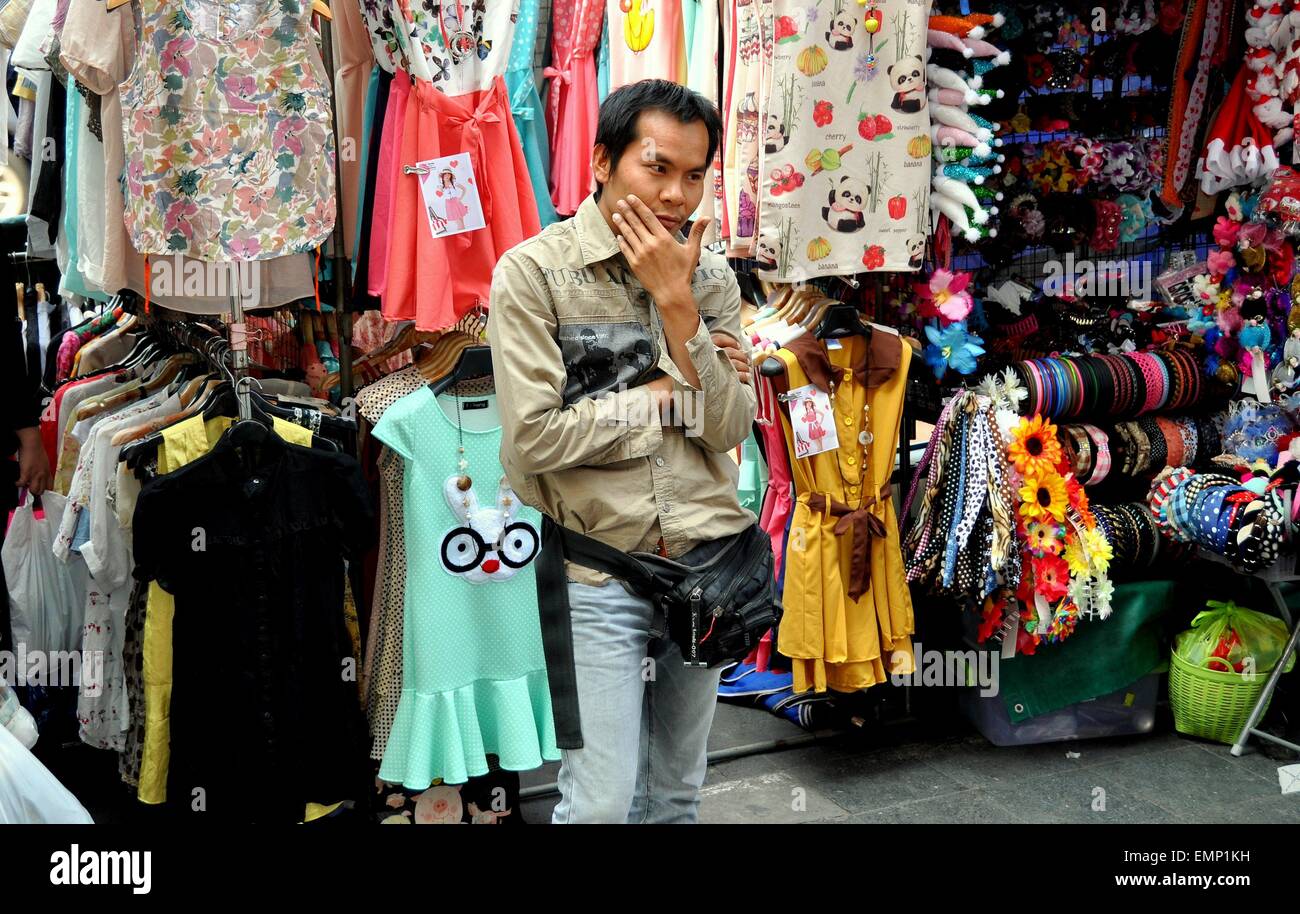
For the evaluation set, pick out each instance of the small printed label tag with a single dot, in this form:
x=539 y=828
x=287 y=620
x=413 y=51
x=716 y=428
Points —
x=813 y=421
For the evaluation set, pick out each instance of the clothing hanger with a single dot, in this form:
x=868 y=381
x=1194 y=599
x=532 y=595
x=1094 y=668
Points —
x=841 y=320
x=474 y=362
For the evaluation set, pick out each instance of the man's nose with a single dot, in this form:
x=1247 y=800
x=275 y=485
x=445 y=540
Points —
x=673 y=193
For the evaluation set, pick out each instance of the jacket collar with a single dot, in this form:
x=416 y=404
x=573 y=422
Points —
x=875 y=364
x=595 y=238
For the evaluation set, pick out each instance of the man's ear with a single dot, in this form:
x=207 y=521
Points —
x=600 y=167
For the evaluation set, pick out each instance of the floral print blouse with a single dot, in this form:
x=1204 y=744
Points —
x=226 y=120
x=458 y=45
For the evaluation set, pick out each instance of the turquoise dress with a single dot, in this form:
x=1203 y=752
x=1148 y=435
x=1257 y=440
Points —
x=602 y=63
x=473 y=672
x=526 y=107
x=73 y=281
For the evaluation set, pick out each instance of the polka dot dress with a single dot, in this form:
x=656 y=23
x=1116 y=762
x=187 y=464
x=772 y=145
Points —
x=474 y=678
x=383 y=667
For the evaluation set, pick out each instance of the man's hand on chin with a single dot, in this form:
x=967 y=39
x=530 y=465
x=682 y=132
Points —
x=663 y=264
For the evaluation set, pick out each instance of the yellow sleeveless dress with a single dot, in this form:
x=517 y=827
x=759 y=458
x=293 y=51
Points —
x=848 y=613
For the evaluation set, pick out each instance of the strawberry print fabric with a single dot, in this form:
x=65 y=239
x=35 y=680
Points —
x=845 y=162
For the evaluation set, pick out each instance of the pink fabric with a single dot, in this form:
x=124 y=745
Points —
x=571 y=103
x=67 y=352
x=388 y=170
x=436 y=281
x=778 y=501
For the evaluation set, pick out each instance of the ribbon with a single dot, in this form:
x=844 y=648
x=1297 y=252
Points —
x=864 y=525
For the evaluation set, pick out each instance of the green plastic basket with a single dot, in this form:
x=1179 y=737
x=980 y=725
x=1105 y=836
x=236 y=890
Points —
x=1212 y=704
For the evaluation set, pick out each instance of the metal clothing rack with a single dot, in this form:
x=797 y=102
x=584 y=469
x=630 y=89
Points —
x=1273 y=579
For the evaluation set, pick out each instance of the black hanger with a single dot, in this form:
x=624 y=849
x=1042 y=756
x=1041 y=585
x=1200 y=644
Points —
x=474 y=362
x=841 y=320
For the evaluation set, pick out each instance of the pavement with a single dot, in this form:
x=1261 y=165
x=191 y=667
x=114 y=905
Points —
x=947 y=773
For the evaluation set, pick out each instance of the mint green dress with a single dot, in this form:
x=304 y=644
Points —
x=473 y=672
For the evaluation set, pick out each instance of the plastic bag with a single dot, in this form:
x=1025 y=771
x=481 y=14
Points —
x=29 y=794
x=1226 y=636
x=45 y=606
x=15 y=718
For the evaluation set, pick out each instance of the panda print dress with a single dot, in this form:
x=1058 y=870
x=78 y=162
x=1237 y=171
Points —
x=845 y=160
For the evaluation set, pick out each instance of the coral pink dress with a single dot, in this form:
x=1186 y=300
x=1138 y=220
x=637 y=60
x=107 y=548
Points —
x=386 y=175
x=435 y=281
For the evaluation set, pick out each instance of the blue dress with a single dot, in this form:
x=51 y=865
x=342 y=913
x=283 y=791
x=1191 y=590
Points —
x=526 y=107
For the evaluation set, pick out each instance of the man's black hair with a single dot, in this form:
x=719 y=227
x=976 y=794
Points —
x=616 y=127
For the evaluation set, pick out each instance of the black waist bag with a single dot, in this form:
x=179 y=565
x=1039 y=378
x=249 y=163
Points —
x=719 y=599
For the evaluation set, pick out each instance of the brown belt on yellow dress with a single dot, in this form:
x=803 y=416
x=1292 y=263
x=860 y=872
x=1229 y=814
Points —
x=864 y=525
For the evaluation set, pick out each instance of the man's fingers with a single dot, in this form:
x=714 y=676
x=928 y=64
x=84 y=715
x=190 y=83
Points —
x=698 y=228
x=631 y=221
x=648 y=219
x=626 y=247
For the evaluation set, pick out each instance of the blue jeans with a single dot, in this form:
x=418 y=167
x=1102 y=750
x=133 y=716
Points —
x=645 y=716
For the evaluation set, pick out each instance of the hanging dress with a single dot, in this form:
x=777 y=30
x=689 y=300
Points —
x=848 y=612
x=236 y=166
x=571 y=105
x=436 y=281
x=646 y=41
x=474 y=677
x=526 y=108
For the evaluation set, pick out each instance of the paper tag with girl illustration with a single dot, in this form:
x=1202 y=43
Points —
x=451 y=198
x=813 y=421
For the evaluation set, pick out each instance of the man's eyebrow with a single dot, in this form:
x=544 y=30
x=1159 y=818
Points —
x=661 y=159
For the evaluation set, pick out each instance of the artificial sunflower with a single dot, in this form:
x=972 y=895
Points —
x=1034 y=449
x=1099 y=550
x=1043 y=497
x=1051 y=577
x=1044 y=537
x=1077 y=558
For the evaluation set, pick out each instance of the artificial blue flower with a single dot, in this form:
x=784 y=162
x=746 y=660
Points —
x=952 y=347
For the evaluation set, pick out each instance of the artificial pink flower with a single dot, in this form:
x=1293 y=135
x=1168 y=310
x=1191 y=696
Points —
x=946 y=296
x=1220 y=262
x=1226 y=232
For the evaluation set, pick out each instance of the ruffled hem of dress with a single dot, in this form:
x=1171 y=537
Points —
x=449 y=734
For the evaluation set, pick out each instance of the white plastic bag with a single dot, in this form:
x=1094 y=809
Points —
x=15 y=718
x=45 y=607
x=29 y=794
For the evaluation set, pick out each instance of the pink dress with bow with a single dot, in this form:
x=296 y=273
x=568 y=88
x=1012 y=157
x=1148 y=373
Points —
x=571 y=103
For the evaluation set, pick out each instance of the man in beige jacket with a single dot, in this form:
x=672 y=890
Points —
x=623 y=380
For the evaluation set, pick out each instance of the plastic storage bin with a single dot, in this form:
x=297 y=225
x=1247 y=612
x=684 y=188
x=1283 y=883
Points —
x=1128 y=711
